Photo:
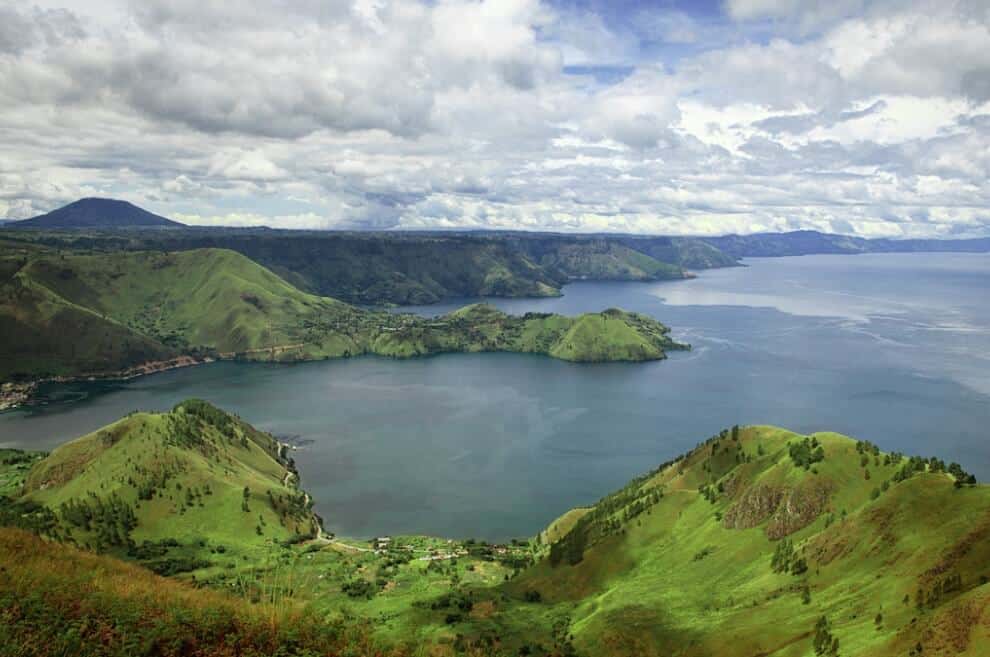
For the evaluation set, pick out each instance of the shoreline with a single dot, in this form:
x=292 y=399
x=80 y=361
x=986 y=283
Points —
x=14 y=395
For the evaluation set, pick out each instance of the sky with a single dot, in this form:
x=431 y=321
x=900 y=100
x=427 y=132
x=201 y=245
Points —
x=664 y=117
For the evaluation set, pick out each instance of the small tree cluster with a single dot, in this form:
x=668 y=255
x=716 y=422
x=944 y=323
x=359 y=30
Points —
x=824 y=642
x=807 y=452
x=785 y=559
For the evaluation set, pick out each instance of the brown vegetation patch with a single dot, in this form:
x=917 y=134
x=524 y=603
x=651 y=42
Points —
x=101 y=606
x=880 y=520
x=980 y=535
x=788 y=510
x=483 y=609
x=949 y=632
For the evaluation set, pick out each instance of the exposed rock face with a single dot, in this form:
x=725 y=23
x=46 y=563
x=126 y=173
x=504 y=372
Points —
x=799 y=509
x=754 y=506
x=786 y=509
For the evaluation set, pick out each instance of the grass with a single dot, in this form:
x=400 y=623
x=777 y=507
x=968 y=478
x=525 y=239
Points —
x=133 y=311
x=201 y=478
x=678 y=579
x=63 y=601
x=739 y=547
x=415 y=268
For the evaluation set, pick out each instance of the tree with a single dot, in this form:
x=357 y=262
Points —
x=823 y=642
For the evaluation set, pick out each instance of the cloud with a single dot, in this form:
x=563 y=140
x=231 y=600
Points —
x=869 y=117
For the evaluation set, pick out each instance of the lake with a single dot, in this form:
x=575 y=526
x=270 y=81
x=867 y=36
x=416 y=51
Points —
x=890 y=348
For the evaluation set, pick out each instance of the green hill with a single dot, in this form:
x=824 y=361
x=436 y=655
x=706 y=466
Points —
x=612 y=335
x=758 y=542
x=127 y=309
x=179 y=479
x=598 y=258
x=745 y=544
x=130 y=312
x=417 y=267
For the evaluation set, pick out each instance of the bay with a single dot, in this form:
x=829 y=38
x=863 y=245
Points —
x=890 y=348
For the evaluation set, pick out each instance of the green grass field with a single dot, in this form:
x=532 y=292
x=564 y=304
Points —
x=740 y=547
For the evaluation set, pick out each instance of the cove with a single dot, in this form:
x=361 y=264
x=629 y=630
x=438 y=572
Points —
x=889 y=348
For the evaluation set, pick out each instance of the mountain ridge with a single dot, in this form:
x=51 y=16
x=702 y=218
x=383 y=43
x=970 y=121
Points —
x=759 y=541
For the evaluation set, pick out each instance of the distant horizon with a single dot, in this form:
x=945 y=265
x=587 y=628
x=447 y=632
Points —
x=471 y=229
x=681 y=117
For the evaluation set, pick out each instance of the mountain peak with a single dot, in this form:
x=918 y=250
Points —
x=93 y=212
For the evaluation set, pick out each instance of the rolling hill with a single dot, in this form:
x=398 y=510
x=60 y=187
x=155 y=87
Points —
x=744 y=545
x=374 y=268
x=758 y=542
x=96 y=213
x=132 y=312
x=172 y=480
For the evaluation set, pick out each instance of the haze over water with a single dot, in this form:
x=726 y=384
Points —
x=890 y=348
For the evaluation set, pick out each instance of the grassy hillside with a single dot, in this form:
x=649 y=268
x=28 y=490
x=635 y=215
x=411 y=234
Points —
x=597 y=258
x=758 y=542
x=189 y=478
x=208 y=298
x=744 y=545
x=612 y=335
x=125 y=310
x=419 y=268
x=56 y=600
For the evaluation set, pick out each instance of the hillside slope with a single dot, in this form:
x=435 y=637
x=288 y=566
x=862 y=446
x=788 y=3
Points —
x=758 y=542
x=190 y=475
x=745 y=544
x=97 y=213
x=611 y=335
x=128 y=312
x=808 y=242
x=416 y=267
x=57 y=600
x=127 y=309
x=597 y=258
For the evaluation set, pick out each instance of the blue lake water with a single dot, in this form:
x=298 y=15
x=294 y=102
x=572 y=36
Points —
x=890 y=348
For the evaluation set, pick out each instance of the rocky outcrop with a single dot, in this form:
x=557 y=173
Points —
x=785 y=510
x=756 y=504
x=799 y=508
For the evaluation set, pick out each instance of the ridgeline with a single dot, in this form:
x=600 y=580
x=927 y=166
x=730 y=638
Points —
x=135 y=312
x=758 y=542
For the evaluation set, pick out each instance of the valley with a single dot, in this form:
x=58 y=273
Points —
x=757 y=541
x=351 y=533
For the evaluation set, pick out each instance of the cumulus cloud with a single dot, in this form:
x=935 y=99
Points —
x=774 y=115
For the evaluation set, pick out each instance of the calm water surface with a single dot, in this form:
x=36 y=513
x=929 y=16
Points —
x=891 y=348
